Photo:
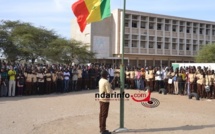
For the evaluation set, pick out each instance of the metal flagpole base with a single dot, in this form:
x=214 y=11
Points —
x=121 y=130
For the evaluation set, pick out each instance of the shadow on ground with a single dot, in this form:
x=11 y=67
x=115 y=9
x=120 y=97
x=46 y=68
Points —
x=183 y=128
x=17 y=98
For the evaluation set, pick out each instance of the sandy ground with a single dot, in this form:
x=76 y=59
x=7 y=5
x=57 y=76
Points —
x=77 y=113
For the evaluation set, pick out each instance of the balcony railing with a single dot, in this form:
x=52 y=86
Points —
x=134 y=50
x=188 y=52
x=127 y=50
x=151 y=32
x=159 y=33
x=195 y=53
x=167 y=33
x=159 y=51
x=167 y=52
x=151 y=51
x=127 y=30
x=174 y=52
x=181 y=52
x=143 y=51
x=134 y=30
x=143 y=31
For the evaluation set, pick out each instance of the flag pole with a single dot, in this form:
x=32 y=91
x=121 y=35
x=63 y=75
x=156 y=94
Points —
x=122 y=76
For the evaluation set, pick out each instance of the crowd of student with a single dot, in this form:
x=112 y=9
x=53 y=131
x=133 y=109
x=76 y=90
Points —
x=183 y=80
x=18 y=80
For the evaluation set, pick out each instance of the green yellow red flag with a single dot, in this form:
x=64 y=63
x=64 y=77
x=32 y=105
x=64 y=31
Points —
x=88 y=11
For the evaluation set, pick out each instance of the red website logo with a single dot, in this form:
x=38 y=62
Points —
x=141 y=96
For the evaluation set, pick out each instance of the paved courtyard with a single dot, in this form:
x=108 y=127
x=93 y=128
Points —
x=77 y=113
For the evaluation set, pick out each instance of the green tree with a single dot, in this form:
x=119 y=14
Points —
x=206 y=54
x=23 y=41
x=6 y=44
x=66 y=51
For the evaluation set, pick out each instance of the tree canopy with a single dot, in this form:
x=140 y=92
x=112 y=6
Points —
x=206 y=54
x=23 y=41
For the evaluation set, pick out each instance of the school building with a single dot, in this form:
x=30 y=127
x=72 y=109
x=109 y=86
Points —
x=150 y=39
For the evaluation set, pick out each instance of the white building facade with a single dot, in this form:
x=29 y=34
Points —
x=150 y=39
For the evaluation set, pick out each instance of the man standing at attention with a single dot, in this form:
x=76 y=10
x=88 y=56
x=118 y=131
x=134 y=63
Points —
x=12 y=82
x=104 y=88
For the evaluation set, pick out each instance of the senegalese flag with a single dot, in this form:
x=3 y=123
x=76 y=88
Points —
x=88 y=11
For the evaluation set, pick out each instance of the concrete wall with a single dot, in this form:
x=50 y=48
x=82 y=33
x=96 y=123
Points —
x=102 y=32
x=77 y=35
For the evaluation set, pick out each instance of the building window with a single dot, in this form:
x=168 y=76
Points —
x=166 y=46
x=126 y=43
x=159 y=38
x=159 y=20
x=151 y=38
x=151 y=45
x=188 y=30
x=159 y=26
x=127 y=16
x=134 y=24
x=143 y=44
x=207 y=42
x=151 y=26
x=188 y=47
x=207 y=26
x=134 y=17
x=174 y=40
x=188 y=41
x=181 y=47
x=167 y=21
x=126 y=36
x=134 y=44
x=166 y=39
x=201 y=25
x=151 y=19
x=143 y=37
x=166 y=27
x=135 y=37
x=143 y=18
x=194 y=41
x=194 y=47
x=188 y=23
x=126 y=23
x=194 y=30
x=174 y=46
x=207 y=32
x=159 y=45
x=174 y=22
x=181 y=23
x=213 y=32
x=143 y=25
x=181 y=29
x=174 y=28
x=195 y=24
x=200 y=31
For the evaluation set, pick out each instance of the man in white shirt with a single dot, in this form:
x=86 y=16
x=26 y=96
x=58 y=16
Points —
x=74 y=78
x=66 y=75
x=111 y=72
x=158 y=79
x=104 y=88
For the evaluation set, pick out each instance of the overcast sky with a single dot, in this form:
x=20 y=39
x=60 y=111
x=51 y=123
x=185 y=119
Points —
x=57 y=14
